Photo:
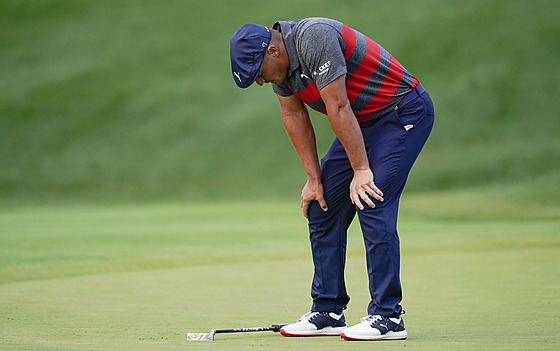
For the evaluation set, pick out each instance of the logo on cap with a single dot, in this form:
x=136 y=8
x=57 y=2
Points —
x=237 y=75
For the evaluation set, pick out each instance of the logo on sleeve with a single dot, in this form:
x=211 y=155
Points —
x=323 y=69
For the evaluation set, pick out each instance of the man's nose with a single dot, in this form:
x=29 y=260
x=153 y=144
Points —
x=260 y=81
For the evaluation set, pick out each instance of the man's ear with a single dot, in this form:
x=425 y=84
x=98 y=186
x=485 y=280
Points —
x=273 y=51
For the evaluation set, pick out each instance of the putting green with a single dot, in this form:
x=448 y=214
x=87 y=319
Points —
x=141 y=276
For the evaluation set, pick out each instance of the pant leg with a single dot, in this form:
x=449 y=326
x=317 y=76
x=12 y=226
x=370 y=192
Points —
x=328 y=232
x=392 y=151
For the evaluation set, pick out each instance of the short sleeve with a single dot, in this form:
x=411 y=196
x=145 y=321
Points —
x=282 y=90
x=321 y=52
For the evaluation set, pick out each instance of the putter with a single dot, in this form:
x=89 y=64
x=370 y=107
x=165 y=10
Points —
x=210 y=336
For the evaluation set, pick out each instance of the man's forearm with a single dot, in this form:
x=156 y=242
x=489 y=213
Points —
x=346 y=127
x=301 y=134
x=344 y=123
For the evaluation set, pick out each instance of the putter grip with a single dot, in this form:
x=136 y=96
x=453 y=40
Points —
x=276 y=327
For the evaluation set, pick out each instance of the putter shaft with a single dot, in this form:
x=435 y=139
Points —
x=275 y=328
x=210 y=336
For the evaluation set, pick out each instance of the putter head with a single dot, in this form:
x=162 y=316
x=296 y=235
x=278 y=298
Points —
x=201 y=336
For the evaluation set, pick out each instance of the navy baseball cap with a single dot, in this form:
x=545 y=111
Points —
x=247 y=48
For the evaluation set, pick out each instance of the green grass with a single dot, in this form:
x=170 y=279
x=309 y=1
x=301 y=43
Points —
x=139 y=276
x=130 y=165
x=135 y=99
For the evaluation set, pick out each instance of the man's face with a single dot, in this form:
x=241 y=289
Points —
x=273 y=70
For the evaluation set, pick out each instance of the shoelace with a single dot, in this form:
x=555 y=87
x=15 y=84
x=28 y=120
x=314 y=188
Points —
x=308 y=315
x=371 y=318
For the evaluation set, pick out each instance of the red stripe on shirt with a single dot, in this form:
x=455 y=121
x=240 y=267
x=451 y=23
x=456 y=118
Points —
x=360 y=77
x=310 y=94
x=349 y=37
x=387 y=89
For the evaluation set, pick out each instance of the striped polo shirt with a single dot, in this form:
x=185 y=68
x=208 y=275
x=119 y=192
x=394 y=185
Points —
x=321 y=50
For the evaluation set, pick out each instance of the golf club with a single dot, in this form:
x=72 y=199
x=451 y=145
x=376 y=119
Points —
x=210 y=336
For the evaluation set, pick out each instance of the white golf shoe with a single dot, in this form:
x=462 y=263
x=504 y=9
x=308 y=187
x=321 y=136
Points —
x=316 y=324
x=376 y=328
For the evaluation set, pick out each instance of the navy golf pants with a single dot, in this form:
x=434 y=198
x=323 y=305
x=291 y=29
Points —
x=392 y=144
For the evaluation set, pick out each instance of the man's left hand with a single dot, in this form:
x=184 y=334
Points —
x=362 y=187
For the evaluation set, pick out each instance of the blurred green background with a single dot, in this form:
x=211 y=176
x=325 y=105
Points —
x=134 y=100
x=176 y=193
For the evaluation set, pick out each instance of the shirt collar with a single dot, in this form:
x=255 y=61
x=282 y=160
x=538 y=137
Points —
x=286 y=28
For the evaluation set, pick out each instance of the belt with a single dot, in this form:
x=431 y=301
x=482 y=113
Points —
x=417 y=91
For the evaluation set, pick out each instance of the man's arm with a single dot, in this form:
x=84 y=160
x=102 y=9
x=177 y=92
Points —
x=300 y=131
x=345 y=126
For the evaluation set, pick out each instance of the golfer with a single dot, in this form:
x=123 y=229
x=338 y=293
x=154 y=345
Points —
x=381 y=116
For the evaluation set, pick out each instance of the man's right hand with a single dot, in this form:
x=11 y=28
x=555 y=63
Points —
x=313 y=190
